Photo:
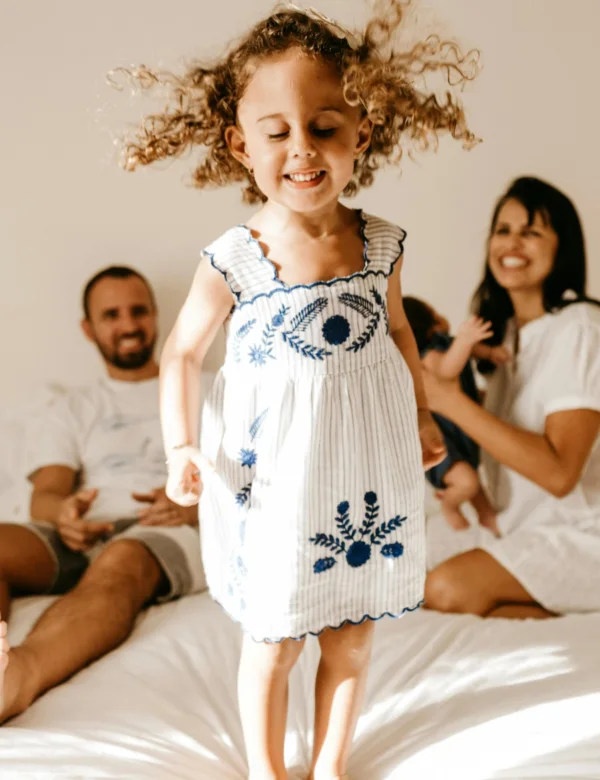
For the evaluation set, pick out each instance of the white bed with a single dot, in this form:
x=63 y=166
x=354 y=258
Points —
x=448 y=697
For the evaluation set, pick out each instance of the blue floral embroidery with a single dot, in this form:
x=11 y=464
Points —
x=242 y=497
x=336 y=330
x=358 y=551
x=260 y=352
x=247 y=458
x=240 y=335
x=256 y=427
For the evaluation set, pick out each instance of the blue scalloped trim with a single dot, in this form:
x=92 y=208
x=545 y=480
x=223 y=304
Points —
x=211 y=257
x=273 y=641
x=363 y=221
x=338 y=279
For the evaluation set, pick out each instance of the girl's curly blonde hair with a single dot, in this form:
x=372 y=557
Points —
x=202 y=103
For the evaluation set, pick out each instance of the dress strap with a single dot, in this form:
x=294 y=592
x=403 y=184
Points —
x=239 y=257
x=384 y=243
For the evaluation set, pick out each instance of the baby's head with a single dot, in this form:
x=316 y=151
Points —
x=424 y=321
x=302 y=111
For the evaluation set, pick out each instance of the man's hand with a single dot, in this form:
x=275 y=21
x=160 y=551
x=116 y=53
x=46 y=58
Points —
x=79 y=534
x=162 y=511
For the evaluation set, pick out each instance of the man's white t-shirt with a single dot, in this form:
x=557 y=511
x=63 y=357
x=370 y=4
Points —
x=110 y=434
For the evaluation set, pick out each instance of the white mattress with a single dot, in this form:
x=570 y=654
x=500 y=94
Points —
x=448 y=697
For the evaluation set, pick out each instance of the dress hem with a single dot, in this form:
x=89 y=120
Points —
x=348 y=621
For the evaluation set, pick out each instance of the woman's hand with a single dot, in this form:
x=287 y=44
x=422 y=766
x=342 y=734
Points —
x=441 y=393
x=432 y=442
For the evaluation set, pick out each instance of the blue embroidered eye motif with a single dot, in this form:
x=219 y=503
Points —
x=336 y=329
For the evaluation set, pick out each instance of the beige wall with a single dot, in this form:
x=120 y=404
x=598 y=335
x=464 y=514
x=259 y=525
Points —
x=66 y=209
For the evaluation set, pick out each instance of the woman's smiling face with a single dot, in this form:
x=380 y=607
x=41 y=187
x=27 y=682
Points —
x=521 y=253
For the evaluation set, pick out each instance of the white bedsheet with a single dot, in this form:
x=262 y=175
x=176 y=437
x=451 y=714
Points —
x=449 y=697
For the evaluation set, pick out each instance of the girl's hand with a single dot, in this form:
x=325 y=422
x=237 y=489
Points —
x=474 y=330
x=183 y=483
x=432 y=443
x=441 y=393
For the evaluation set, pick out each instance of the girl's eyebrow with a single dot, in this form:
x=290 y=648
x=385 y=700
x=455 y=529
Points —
x=319 y=111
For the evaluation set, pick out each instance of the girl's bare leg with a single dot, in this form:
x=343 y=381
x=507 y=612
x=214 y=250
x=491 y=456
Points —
x=339 y=696
x=263 y=700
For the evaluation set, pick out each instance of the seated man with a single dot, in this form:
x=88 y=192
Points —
x=103 y=530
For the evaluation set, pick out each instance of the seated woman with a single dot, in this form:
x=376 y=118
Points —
x=539 y=430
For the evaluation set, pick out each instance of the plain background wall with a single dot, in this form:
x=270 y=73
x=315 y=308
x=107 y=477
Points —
x=66 y=209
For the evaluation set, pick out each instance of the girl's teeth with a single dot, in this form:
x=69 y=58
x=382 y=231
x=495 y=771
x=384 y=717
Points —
x=513 y=262
x=304 y=176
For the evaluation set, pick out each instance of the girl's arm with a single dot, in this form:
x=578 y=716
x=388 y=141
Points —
x=432 y=444
x=206 y=308
x=554 y=460
x=402 y=334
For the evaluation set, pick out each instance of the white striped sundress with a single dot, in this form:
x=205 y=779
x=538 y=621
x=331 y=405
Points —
x=314 y=516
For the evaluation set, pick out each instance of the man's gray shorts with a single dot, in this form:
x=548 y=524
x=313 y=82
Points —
x=176 y=548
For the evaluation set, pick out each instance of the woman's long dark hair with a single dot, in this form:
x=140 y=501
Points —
x=566 y=283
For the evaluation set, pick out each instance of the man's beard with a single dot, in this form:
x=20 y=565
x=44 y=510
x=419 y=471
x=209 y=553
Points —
x=132 y=360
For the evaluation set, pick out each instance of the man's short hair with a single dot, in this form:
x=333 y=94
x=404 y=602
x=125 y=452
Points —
x=113 y=272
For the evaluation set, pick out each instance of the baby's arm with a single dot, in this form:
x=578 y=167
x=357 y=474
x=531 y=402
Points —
x=206 y=308
x=470 y=334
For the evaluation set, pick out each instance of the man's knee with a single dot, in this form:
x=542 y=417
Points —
x=26 y=564
x=125 y=566
x=446 y=591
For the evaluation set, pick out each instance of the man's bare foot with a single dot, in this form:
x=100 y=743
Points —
x=16 y=691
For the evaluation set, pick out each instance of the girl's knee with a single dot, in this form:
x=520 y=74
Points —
x=273 y=655
x=349 y=646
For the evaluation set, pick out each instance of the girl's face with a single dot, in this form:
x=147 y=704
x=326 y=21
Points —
x=296 y=132
x=521 y=256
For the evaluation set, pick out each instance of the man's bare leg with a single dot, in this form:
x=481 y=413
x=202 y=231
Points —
x=26 y=564
x=97 y=616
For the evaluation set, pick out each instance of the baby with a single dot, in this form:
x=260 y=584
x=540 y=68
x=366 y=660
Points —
x=456 y=477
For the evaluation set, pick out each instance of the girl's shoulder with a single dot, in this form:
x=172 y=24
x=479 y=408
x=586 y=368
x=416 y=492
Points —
x=383 y=240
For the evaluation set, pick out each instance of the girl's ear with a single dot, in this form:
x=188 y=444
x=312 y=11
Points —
x=363 y=138
x=237 y=145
